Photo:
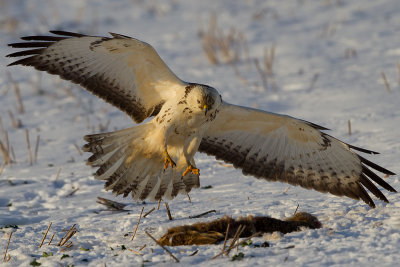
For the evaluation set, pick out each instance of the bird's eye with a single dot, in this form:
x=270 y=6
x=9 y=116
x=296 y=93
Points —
x=198 y=101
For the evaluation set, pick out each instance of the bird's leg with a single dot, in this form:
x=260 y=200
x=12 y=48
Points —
x=168 y=160
x=189 y=150
x=191 y=169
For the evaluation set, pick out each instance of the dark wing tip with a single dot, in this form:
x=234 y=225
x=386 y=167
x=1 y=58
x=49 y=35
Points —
x=24 y=61
x=42 y=38
x=367 y=199
x=372 y=188
x=40 y=43
x=316 y=126
x=26 y=53
x=373 y=176
x=375 y=166
x=367 y=151
x=120 y=36
x=65 y=33
x=30 y=44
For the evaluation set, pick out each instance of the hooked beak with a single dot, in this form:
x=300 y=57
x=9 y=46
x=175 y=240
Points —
x=205 y=108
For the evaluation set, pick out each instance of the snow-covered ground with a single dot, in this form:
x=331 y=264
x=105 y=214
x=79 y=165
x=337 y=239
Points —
x=328 y=65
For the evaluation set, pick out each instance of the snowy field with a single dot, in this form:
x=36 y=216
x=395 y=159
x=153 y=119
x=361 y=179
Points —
x=334 y=61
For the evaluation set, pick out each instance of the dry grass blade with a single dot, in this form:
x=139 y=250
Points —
x=58 y=173
x=313 y=81
x=246 y=239
x=137 y=225
x=78 y=149
x=44 y=236
x=110 y=204
x=15 y=123
x=67 y=233
x=140 y=249
x=3 y=132
x=70 y=194
x=168 y=211
x=36 y=149
x=385 y=81
x=3 y=165
x=71 y=234
x=7 y=256
x=14 y=159
x=5 y=149
x=135 y=252
x=202 y=214
x=262 y=74
x=237 y=245
x=147 y=213
x=8 y=146
x=51 y=239
x=269 y=61
x=5 y=153
x=235 y=238
x=349 y=127
x=297 y=208
x=21 y=108
x=194 y=253
x=398 y=71
x=246 y=49
x=164 y=248
x=226 y=238
x=210 y=53
x=28 y=147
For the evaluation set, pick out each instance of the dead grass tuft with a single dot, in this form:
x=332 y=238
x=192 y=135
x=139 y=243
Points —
x=221 y=47
x=44 y=236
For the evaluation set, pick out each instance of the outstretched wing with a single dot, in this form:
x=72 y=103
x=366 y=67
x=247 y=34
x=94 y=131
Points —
x=124 y=71
x=281 y=148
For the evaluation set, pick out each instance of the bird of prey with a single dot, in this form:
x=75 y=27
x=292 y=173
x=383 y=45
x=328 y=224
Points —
x=155 y=159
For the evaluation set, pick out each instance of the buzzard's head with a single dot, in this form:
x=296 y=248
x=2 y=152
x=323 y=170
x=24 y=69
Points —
x=202 y=98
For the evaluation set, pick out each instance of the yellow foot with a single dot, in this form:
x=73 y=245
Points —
x=168 y=161
x=191 y=169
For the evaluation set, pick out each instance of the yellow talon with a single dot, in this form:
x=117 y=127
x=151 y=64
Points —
x=168 y=161
x=191 y=169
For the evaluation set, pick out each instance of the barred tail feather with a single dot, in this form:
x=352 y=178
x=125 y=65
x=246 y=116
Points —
x=130 y=164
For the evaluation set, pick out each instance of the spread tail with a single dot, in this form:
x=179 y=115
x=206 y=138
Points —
x=129 y=163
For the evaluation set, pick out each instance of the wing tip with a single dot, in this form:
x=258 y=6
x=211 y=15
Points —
x=119 y=36
x=67 y=33
x=375 y=166
x=27 y=61
x=367 y=151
